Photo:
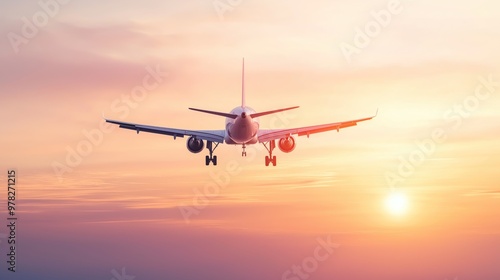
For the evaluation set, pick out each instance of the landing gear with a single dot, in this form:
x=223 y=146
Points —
x=270 y=158
x=244 y=153
x=211 y=158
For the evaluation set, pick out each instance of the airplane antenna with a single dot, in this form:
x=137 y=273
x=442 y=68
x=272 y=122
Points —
x=243 y=85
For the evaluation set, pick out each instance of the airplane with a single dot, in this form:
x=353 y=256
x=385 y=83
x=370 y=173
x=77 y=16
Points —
x=241 y=128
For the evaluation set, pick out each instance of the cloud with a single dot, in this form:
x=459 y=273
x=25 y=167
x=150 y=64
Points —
x=68 y=59
x=490 y=193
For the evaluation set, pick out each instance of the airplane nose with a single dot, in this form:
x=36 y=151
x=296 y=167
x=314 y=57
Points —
x=243 y=115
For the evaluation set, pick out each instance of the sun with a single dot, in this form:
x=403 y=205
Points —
x=396 y=203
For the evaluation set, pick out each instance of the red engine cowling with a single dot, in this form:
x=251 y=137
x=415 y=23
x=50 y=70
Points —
x=195 y=145
x=287 y=144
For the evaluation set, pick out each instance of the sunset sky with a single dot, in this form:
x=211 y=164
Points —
x=97 y=202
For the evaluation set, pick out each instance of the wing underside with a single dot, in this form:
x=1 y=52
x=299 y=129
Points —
x=208 y=135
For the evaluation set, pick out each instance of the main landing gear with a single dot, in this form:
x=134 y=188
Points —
x=211 y=158
x=270 y=158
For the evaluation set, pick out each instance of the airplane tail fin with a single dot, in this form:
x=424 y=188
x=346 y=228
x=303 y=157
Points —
x=255 y=115
x=243 y=85
x=234 y=116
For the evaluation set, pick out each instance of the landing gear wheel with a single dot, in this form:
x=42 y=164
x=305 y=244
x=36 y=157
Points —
x=211 y=158
x=270 y=158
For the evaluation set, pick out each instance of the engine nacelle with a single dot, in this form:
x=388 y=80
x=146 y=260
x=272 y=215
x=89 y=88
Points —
x=286 y=144
x=195 y=145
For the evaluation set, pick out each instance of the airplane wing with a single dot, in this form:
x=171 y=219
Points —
x=266 y=135
x=208 y=135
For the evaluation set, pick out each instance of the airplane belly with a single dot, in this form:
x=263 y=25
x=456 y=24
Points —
x=230 y=141
x=240 y=134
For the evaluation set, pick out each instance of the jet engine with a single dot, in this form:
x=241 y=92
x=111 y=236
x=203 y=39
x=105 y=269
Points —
x=195 y=145
x=286 y=144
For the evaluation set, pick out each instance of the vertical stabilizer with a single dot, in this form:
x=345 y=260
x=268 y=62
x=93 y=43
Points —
x=243 y=85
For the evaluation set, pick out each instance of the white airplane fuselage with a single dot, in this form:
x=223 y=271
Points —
x=243 y=129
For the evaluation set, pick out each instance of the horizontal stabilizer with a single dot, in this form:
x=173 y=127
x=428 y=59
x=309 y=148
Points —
x=232 y=116
x=256 y=115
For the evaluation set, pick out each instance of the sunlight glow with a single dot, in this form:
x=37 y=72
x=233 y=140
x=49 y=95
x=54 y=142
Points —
x=396 y=203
